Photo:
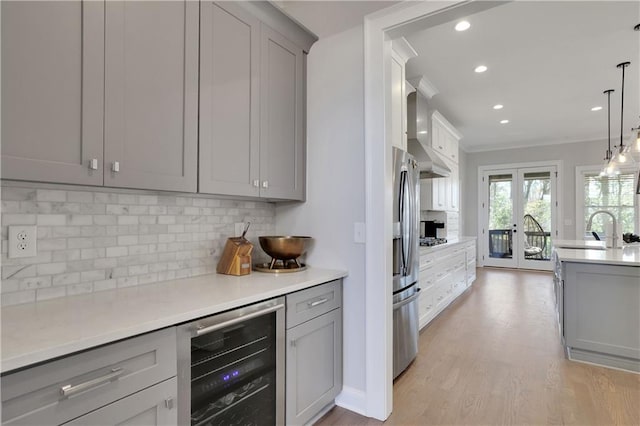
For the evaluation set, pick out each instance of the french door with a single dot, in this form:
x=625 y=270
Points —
x=519 y=210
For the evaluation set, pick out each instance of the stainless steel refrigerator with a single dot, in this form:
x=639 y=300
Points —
x=406 y=261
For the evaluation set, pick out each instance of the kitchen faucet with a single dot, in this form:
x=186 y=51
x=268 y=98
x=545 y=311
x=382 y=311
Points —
x=615 y=227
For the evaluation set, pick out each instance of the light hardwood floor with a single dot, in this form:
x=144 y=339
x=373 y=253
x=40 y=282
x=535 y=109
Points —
x=494 y=357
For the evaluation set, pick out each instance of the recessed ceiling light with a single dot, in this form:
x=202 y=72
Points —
x=504 y=121
x=463 y=26
x=596 y=108
x=498 y=106
x=480 y=68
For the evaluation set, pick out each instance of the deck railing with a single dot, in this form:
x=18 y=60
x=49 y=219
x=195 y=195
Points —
x=501 y=243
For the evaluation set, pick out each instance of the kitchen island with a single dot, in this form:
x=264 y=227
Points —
x=598 y=303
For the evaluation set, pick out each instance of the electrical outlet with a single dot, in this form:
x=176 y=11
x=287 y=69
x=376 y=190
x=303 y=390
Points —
x=22 y=241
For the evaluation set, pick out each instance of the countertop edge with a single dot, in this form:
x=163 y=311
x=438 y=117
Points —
x=73 y=345
x=462 y=240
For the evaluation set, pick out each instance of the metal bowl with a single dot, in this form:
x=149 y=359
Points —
x=283 y=247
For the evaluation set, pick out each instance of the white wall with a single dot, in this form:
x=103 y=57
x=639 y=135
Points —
x=571 y=154
x=335 y=187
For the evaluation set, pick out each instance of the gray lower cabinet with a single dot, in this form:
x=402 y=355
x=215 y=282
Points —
x=314 y=351
x=152 y=406
x=66 y=389
x=602 y=313
x=101 y=93
x=251 y=106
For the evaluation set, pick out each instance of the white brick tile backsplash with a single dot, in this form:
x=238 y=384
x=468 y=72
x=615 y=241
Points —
x=51 y=195
x=51 y=268
x=117 y=251
x=99 y=239
x=50 y=293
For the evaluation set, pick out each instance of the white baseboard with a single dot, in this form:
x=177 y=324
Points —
x=353 y=400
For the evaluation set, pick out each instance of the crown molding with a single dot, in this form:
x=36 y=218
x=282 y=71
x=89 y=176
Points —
x=424 y=86
x=402 y=47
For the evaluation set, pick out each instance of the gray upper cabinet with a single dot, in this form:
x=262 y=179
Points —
x=151 y=95
x=52 y=91
x=229 y=100
x=282 y=166
x=251 y=106
x=87 y=78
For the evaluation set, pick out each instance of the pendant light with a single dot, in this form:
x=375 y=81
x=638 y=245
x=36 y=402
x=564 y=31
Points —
x=607 y=169
x=633 y=149
x=621 y=158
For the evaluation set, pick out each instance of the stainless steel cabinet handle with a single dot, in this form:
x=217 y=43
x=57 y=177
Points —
x=265 y=184
x=317 y=302
x=205 y=330
x=115 y=167
x=168 y=403
x=69 y=390
x=256 y=183
x=93 y=164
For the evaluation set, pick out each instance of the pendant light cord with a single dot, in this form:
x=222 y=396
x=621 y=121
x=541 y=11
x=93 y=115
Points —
x=622 y=65
x=608 y=92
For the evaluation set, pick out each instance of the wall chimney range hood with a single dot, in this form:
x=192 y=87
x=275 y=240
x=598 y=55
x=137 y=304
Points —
x=429 y=162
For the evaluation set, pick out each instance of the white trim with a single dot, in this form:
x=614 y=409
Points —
x=353 y=400
x=559 y=165
x=378 y=201
x=445 y=123
x=404 y=49
x=579 y=182
x=424 y=86
x=524 y=144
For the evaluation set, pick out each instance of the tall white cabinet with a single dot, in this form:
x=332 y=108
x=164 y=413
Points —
x=401 y=52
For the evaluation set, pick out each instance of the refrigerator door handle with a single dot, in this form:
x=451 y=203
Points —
x=409 y=299
x=403 y=222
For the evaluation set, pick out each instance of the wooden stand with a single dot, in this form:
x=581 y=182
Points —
x=236 y=257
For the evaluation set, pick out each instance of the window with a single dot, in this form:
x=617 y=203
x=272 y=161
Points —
x=616 y=195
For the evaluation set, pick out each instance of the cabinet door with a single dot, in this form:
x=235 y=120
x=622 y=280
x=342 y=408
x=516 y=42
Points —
x=282 y=166
x=454 y=188
x=439 y=138
x=52 y=94
x=150 y=407
x=314 y=366
x=229 y=101
x=151 y=95
x=398 y=102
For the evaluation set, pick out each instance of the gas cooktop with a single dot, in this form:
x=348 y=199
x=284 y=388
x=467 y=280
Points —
x=431 y=241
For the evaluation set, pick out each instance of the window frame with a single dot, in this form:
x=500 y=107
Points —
x=581 y=171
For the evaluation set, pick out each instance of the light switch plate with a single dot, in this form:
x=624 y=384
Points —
x=22 y=241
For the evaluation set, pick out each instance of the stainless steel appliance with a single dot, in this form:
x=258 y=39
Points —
x=418 y=139
x=406 y=262
x=432 y=241
x=231 y=367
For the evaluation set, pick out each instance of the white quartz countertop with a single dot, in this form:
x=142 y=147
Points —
x=629 y=255
x=582 y=244
x=37 y=332
x=449 y=243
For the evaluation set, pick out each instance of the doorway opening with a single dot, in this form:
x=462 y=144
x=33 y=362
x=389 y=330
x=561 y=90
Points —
x=518 y=210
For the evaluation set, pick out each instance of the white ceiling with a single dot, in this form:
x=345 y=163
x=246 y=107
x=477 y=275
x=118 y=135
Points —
x=328 y=17
x=549 y=63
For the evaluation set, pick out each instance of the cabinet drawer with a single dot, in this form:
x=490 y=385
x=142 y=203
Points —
x=427 y=277
x=93 y=379
x=306 y=304
x=425 y=302
x=153 y=406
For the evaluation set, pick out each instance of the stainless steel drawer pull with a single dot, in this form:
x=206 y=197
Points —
x=317 y=302
x=70 y=390
x=205 y=330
